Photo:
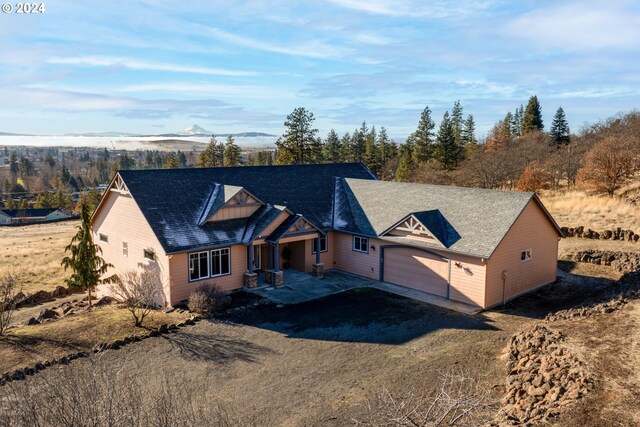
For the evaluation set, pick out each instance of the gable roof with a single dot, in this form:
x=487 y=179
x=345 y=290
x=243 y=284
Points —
x=470 y=221
x=173 y=200
x=435 y=223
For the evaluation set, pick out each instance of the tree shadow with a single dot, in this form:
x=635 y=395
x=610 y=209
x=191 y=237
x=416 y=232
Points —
x=361 y=315
x=216 y=348
x=31 y=344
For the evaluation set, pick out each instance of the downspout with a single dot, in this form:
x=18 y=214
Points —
x=505 y=274
x=449 y=282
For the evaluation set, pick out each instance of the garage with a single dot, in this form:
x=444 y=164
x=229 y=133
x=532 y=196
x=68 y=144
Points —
x=415 y=269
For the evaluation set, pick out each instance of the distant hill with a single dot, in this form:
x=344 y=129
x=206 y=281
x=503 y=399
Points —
x=194 y=130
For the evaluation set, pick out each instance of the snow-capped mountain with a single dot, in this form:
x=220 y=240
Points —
x=195 y=130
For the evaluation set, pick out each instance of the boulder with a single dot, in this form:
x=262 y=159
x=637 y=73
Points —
x=59 y=291
x=105 y=300
x=46 y=313
x=607 y=234
x=33 y=321
x=40 y=297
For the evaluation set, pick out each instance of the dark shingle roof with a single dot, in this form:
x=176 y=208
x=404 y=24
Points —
x=476 y=219
x=174 y=200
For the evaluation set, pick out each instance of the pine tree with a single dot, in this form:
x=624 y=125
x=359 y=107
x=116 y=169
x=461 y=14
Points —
x=469 y=131
x=332 y=148
x=23 y=204
x=446 y=151
x=560 y=128
x=315 y=151
x=231 y=152
x=294 y=145
x=507 y=127
x=88 y=267
x=424 y=137
x=516 y=127
x=406 y=165
x=358 y=141
x=182 y=159
x=456 y=122
x=345 y=144
x=213 y=155
x=532 y=120
x=371 y=155
x=171 y=161
x=384 y=146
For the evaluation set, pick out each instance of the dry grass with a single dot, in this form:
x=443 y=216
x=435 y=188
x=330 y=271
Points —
x=34 y=253
x=592 y=211
x=30 y=344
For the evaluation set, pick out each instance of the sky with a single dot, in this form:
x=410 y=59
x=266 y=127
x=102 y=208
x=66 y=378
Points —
x=156 y=66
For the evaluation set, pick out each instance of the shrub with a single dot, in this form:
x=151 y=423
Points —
x=8 y=300
x=207 y=299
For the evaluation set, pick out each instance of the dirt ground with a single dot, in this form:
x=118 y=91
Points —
x=571 y=245
x=610 y=345
x=317 y=363
x=34 y=252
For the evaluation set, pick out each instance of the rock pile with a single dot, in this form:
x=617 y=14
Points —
x=615 y=234
x=622 y=262
x=41 y=296
x=543 y=377
x=67 y=309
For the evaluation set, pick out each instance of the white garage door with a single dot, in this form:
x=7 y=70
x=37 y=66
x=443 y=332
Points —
x=416 y=269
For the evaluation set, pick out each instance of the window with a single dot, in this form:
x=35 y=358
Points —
x=104 y=238
x=323 y=244
x=220 y=262
x=198 y=265
x=360 y=244
x=525 y=255
x=125 y=249
x=149 y=254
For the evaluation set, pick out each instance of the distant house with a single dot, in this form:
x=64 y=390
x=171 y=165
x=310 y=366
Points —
x=28 y=216
x=224 y=225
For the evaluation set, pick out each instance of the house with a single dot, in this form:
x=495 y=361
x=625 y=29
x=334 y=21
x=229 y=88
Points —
x=225 y=225
x=29 y=216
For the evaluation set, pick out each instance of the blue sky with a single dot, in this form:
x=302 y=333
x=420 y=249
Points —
x=158 y=66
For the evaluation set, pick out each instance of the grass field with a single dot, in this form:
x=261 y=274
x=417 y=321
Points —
x=34 y=253
x=597 y=212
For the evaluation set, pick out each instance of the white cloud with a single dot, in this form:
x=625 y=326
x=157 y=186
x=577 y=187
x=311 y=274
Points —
x=241 y=91
x=578 y=26
x=134 y=64
x=312 y=49
x=417 y=9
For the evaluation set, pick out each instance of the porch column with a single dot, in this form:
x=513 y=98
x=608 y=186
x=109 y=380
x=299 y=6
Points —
x=250 y=278
x=250 y=258
x=317 y=269
x=277 y=276
x=318 y=249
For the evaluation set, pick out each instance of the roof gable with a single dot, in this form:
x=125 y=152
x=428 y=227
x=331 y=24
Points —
x=430 y=226
x=224 y=197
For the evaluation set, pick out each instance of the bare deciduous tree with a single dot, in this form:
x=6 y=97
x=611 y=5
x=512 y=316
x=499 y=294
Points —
x=457 y=400
x=138 y=290
x=608 y=166
x=8 y=300
x=95 y=394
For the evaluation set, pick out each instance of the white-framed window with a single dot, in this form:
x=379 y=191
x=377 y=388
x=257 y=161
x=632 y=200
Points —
x=220 y=262
x=198 y=265
x=323 y=244
x=360 y=244
x=526 y=255
x=125 y=249
x=103 y=238
x=149 y=254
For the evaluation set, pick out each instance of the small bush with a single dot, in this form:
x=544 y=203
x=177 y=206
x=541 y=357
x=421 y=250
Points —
x=207 y=299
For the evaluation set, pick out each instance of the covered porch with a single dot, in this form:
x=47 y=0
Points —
x=287 y=252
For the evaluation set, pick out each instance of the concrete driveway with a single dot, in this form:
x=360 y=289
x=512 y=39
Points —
x=301 y=287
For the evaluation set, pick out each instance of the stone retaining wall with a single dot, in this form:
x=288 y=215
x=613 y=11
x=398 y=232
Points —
x=623 y=262
x=587 y=233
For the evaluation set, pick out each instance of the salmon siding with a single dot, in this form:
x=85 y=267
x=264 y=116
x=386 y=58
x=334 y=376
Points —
x=479 y=247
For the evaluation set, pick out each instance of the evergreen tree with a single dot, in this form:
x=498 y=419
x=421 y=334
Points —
x=42 y=201
x=231 y=153
x=171 y=161
x=507 y=127
x=358 y=142
x=23 y=204
x=516 y=127
x=456 y=122
x=532 y=120
x=446 y=151
x=469 y=131
x=332 y=149
x=14 y=167
x=182 y=159
x=213 y=155
x=371 y=155
x=560 y=128
x=148 y=160
x=87 y=266
x=293 y=146
x=315 y=151
x=384 y=146
x=345 y=145
x=406 y=165
x=423 y=137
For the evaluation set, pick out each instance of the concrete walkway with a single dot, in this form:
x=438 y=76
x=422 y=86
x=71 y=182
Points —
x=301 y=287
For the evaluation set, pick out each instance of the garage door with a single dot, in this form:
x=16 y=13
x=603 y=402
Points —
x=416 y=269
